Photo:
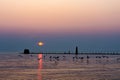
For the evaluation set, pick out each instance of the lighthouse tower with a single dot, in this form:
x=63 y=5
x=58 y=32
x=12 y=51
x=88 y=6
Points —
x=76 y=51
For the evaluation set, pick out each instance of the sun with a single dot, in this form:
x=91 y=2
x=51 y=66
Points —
x=40 y=43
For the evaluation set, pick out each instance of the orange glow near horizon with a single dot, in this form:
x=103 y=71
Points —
x=59 y=16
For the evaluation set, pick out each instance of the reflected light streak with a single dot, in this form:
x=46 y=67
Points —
x=39 y=66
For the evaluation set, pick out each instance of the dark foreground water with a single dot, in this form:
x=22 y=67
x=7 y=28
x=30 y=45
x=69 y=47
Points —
x=59 y=67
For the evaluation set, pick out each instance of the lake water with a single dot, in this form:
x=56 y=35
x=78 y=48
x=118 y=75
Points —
x=59 y=67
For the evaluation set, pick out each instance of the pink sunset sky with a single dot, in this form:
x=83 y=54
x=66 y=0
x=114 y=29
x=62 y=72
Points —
x=59 y=16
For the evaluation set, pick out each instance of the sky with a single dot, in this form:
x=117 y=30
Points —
x=93 y=25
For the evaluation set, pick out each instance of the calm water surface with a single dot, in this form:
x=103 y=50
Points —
x=59 y=67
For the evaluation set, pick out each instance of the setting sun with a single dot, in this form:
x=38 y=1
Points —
x=40 y=43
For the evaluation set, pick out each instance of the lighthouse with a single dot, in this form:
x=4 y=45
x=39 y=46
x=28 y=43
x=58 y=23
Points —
x=76 y=51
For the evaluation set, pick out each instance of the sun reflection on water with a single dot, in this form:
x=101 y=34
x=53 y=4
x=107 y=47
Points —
x=39 y=66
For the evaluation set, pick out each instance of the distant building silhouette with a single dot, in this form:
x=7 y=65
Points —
x=76 y=51
x=26 y=51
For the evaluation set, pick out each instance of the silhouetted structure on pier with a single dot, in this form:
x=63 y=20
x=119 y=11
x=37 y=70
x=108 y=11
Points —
x=76 y=51
x=26 y=51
